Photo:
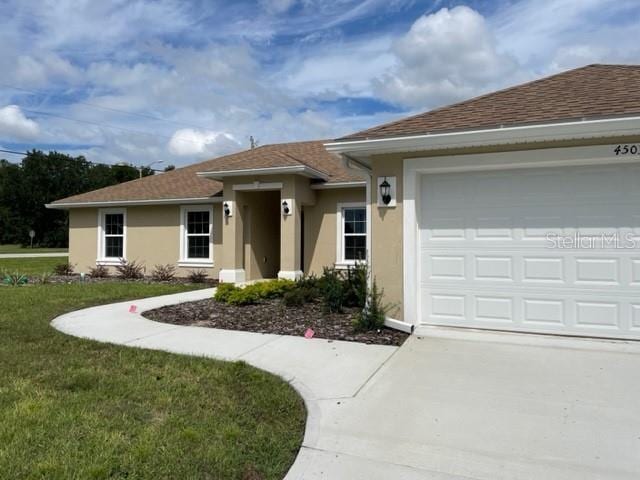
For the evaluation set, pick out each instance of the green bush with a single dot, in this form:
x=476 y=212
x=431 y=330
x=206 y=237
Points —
x=229 y=293
x=355 y=285
x=299 y=295
x=332 y=290
x=373 y=314
x=223 y=291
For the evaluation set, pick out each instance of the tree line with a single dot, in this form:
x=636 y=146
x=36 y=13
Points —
x=41 y=178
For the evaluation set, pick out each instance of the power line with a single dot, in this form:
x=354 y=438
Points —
x=25 y=154
x=110 y=109
x=13 y=152
x=104 y=125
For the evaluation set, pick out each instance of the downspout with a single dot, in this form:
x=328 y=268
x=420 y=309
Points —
x=359 y=168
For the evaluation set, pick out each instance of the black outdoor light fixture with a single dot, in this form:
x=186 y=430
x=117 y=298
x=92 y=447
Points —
x=226 y=209
x=285 y=208
x=385 y=191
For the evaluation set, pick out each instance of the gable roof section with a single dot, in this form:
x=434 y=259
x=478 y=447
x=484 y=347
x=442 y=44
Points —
x=590 y=92
x=185 y=184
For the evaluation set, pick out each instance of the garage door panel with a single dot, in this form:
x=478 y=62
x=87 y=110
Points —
x=492 y=264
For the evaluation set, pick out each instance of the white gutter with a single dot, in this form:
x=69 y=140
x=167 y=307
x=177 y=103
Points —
x=294 y=169
x=612 y=127
x=328 y=186
x=134 y=203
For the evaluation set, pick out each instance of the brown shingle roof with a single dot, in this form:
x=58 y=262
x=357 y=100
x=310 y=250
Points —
x=183 y=183
x=593 y=91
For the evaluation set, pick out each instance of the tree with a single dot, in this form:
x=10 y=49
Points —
x=40 y=179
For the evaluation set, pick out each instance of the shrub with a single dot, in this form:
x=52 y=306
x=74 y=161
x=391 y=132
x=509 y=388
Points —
x=64 y=269
x=299 y=296
x=197 y=276
x=355 y=285
x=229 y=293
x=223 y=291
x=163 y=273
x=15 y=279
x=130 y=270
x=332 y=290
x=99 y=271
x=373 y=314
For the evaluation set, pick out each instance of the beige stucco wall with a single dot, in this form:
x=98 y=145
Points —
x=83 y=238
x=153 y=237
x=386 y=223
x=320 y=225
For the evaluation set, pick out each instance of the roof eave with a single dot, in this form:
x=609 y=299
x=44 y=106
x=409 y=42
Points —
x=610 y=127
x=132 y=203
x=292 y=169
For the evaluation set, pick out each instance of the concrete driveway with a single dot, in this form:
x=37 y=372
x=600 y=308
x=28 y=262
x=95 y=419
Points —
x=488 y=406
x=453 y=405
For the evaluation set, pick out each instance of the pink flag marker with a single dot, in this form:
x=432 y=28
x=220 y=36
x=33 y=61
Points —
x=308 y=333
x=133 y=309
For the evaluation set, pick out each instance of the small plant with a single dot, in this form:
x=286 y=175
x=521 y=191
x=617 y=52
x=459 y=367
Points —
x=44 y=278
x=197 y=276
x=163 y=273
x=373 y=314
x=64 y=269
x=130 y=270
x=15 y=279
x=356 y=285
x=99 y=271
x=332 y=290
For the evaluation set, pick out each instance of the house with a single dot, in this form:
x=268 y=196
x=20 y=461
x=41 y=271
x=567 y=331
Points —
x=518 y=210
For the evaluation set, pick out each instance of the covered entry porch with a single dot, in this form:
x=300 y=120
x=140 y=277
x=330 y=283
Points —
x=262 y=226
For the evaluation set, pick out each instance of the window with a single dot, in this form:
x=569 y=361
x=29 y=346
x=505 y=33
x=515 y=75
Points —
x=197 y=244
x=111 y=242
x=352 y=244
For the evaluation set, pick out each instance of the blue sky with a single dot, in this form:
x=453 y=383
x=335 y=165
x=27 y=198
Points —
x=181 y=81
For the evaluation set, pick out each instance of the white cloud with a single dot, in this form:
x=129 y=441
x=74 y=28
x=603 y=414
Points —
x=190 y=142
x=332 y=70
x=14 y=125
x=444 y=57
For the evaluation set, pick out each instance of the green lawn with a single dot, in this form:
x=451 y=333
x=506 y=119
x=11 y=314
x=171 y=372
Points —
x=20 y=249
x=30 y=266
x=78 y=409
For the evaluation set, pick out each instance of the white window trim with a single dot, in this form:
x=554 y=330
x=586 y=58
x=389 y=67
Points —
x=184 y=260
x=102 y=258
x=340 y=260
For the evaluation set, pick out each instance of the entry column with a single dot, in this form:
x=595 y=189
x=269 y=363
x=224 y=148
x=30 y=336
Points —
x=232 y=270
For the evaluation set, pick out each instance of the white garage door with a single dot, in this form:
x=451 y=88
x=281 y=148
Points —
x=543 y=250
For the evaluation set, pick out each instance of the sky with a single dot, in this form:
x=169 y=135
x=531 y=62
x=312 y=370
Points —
x=139 y=81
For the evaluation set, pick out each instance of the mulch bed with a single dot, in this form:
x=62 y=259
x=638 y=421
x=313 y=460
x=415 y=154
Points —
x=76 y=278
x=271 y=316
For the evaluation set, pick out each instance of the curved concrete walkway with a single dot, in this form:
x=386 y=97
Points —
x=452 y=405
x=320 y=370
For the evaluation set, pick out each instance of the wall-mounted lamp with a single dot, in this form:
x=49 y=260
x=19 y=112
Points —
x=286 y=208
x=226 y=209
x=386 y=191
